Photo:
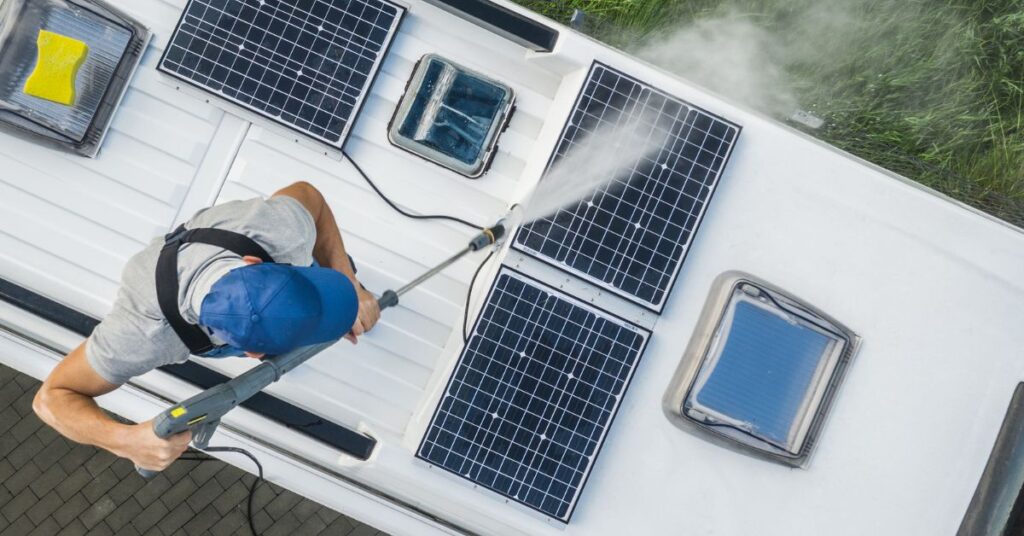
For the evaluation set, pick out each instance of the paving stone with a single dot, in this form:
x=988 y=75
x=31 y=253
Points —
x=20 y=527
x=340 y=526
x=176 y=518
x=8 y=417
x=48 y=480
x=234 y=522
x=231 y=498
x=48 y=527
x=7 y=374
x=8 y=444
x=363 y=530
x=123 y=468
x=123 y=514
x=310 y=527
x=262 y=496
x=205 y=495
x=284 y=526
x=76 y=457
x=228 y=475
x=67 y=513
x=100 y=530
x=126 y=487
x=47 y=435
x=73 y=483
x=203 y=472
x=304 y=509
x=25 y=428
x=99 y=462
x=22 y=478
x=6 y=470
x=152 y=490
x=282 y=504
x=5 y=497
x=203 y=520
x=149 y=516
x=75 y=528
x=23 y=452
x=261 y=521
x=94 y=515
x=51 y=453
x=99 y=486
x=18 y=505
x=85 y=490
x=177 y=470
x=44 y=507
x=7 y=397
x=178 y=493
x=28 y=383
x=23 y=405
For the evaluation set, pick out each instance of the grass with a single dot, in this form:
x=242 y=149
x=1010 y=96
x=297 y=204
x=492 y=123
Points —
x=930 y=89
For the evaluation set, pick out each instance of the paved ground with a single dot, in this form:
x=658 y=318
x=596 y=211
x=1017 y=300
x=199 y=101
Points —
x=51 y=486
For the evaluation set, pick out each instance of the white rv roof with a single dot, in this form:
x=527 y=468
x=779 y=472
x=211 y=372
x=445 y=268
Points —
x=934 y=289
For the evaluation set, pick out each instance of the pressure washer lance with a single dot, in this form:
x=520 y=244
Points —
x=202 y=413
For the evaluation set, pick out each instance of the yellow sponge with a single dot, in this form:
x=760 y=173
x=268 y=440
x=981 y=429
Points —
x=57 y=66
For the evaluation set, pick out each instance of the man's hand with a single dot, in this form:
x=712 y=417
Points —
x=148 y=451
x=369 y=314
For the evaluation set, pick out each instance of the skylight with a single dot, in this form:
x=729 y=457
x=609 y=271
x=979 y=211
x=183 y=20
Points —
x=109 y=45
x=761 y=371
x=451 y=116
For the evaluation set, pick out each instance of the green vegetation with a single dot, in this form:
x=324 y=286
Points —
x=930 y=89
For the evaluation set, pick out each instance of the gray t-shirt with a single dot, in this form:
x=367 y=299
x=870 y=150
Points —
x=135 y=338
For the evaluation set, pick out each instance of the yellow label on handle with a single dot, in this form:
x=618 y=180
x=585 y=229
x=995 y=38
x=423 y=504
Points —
x=178 y=412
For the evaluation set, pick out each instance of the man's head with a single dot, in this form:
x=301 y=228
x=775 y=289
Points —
x=274 y=308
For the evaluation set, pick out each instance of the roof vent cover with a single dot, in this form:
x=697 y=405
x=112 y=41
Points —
x=114 y=44
x=452 y=116
x=761 y=371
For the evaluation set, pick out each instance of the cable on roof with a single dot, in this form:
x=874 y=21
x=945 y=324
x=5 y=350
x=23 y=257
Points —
x=402 y=211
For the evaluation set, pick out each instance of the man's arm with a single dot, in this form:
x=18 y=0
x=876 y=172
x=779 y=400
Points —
x=65 y=402
x=329 y=250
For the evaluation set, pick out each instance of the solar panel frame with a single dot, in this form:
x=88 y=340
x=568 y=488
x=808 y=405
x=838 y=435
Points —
x=508 y=401
x=356 y=106
x=665 y=292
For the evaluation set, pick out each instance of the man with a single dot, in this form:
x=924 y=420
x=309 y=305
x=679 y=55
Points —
x=237 y=279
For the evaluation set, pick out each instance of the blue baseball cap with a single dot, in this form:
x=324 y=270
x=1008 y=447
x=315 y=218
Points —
x=274 y=308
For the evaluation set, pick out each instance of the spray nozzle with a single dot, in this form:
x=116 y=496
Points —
x=494 y=234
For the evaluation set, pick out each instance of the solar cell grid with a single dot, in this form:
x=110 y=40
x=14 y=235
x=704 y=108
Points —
x=631 y=235
x=306 y=64
x=533 y=395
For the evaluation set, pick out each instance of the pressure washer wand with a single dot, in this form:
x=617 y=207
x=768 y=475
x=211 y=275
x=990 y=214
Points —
x=486 y=238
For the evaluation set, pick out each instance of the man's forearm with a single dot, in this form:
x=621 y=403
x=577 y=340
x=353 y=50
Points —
x=330 y=247
x=78 y=418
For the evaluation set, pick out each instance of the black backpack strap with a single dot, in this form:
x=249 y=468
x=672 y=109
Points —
x=167 y=285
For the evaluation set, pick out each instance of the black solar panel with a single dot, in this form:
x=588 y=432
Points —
x=632 y=235
x=533 y=395
x=306 y=64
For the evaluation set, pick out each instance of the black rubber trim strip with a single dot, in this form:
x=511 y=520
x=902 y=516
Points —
x=348 y=441
x=998 y=503
x=504 y=22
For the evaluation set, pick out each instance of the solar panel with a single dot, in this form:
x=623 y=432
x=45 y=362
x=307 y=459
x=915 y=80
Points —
x=305 y=64
x=632 y=234
x=533 y=395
